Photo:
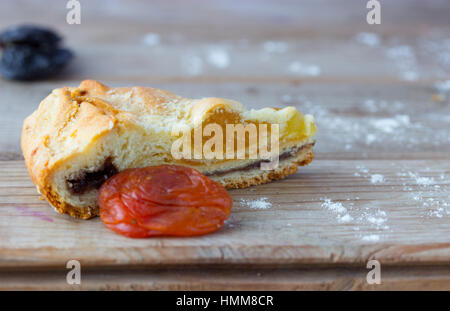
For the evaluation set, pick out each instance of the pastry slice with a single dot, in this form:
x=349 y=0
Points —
x=79 y=137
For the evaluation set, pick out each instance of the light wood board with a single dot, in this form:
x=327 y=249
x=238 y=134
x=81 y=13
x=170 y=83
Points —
x=298 y=226
x=378 y=188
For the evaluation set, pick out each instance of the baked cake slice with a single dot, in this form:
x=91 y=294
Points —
x=79 y=137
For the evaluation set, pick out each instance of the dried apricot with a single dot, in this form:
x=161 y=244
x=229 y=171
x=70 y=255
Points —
x=165 y=200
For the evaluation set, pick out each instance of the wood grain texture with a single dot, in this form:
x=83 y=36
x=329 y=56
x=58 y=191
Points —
x=299 y=228
x=378 y=188
x=262 y=279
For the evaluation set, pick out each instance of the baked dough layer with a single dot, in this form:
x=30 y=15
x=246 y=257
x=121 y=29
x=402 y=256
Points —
x=75 y=131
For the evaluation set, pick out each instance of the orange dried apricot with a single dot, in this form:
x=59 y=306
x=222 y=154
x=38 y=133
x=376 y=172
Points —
x=165 y=200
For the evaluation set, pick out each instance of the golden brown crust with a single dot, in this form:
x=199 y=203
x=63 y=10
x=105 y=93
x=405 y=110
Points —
x=65 y=208
x=285 y=168
x=45 y=146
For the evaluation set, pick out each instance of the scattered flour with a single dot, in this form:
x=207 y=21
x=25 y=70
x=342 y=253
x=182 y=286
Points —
x=336 y=207
x=405 y=60
x=432 y=198
x=371 y=238
x=262 y=203
x=409 y=75
x=375 y=219
x=443 y=86
x=376 y=178
x=370 y=105
x=192 y=64
x=370 y=138
x=218 y=57
x=304 y=69
x=422 y=181
x=437 y=48
x=361 y=170
x=286 y=98
x=368 y=38
x=346 y=218
x=388 y=125
x=151 y=39
x=275 y=46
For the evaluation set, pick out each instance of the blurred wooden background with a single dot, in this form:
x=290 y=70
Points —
x=380 y=95
x=320 y=56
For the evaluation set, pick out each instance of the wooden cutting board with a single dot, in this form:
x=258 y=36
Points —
x=323 y=216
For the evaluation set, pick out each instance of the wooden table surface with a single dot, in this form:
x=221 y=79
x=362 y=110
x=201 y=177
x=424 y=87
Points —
x=378 y=188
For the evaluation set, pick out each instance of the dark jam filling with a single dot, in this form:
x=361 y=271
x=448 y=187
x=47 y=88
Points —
x=92 y=180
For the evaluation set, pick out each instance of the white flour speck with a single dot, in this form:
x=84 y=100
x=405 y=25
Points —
x=376 y=178
x=304 y=69
x=151 y=39
x=370 y=138
x=410 y=75
x=388 y=125
x=442 y=86
x=370 y=238
x=376 y=220
x=368 y=38
x=405 y=60
x=218 y=57
x=286 y=98
x=362 y=169
x=370 y=105
x=423 y=181
x=334 y=206
x=346 y=218
x=275 y=46
x=261 y=203
x=192 y=64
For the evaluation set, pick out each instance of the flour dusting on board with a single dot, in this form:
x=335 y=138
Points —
x=334 y=206
x=218 y=57
x=368 y=38
x=405 y=60
x=370 y=238
x=427 y=193
x=372 y=219
x=275 y=46
x=303 y=69
x=443 y=86
x=342 y=215
x=192 y=64
x=423 y=181
x=261 y=203
x=151 y=39
x=388 y=125
x=376 y=178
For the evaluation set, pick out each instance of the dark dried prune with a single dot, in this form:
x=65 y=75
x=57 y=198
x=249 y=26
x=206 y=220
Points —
x=31 y=53
x=29 y=63
x=29 y=35
x=92 y=180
